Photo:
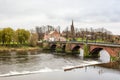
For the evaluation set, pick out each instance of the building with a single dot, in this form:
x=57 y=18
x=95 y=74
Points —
x=53 y=36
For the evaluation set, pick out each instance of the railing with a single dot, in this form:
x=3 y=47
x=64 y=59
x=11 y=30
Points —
x=84 y=42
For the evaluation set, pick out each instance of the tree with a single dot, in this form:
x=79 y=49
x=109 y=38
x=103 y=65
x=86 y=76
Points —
x=67 y=32
x=7 y=35
x=0 y=36
x=22 y=35
x=82 y=33
x=33 y=39
x=39 y=31
x=42 y=30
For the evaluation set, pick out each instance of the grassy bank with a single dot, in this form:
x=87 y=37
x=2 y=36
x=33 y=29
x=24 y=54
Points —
x=22 y=48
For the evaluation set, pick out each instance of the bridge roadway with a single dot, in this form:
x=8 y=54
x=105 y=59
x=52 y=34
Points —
x=90 y=43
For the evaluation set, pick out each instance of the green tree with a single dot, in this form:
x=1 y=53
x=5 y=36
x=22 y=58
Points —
x=0 y=36
x=22 y=36
x=7 y=35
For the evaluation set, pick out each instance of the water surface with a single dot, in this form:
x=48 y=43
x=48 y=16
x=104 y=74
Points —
x=49 y=66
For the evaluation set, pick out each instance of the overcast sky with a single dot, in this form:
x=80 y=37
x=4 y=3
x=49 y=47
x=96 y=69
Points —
x=85 y=13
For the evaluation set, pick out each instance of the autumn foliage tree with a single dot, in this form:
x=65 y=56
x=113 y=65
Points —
x=33 y=39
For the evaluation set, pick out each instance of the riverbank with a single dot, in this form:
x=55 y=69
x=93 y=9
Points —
x=23 y=48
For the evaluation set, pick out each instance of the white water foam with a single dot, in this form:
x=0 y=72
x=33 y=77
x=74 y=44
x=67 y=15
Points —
x=83 y=64
x=81 y=52
x=15 y=73
x=104 y=56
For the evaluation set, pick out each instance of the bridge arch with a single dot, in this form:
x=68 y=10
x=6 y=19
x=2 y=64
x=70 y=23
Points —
x=53 y=47
x=95 y=52
x=76 y=49
x=113 y=51
x=101 y=53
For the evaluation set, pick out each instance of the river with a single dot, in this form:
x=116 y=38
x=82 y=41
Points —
x=51 y=66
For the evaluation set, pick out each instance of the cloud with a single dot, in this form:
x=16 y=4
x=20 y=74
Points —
x=55 y=12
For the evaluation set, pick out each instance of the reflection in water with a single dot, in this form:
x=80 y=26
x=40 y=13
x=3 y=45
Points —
x=104 y=56
x=100 y=71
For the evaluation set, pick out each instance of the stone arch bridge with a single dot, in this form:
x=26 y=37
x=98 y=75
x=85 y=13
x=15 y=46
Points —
x=94 y=48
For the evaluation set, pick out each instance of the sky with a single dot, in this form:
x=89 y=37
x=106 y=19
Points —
x=85 y=13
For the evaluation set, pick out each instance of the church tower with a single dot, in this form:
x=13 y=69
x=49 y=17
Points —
x=72 y=30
